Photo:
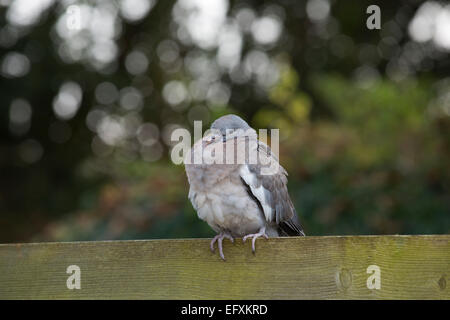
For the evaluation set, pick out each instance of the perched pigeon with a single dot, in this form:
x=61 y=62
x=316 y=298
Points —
x=237 y=185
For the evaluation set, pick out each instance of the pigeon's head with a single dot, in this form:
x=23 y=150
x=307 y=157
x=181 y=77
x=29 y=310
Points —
x=231 y=126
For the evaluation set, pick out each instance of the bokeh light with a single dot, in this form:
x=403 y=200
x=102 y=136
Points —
x=93 y=90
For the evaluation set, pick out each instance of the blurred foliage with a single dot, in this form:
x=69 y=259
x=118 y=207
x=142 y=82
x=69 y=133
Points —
x=86 y=115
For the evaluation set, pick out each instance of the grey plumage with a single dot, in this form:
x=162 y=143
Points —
x=239 y=200
x=229 y=122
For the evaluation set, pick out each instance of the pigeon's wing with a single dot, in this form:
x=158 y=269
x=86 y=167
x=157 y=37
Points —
x=270 y=191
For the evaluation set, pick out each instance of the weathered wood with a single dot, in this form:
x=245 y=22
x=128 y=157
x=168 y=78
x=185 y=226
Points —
x=412 y=267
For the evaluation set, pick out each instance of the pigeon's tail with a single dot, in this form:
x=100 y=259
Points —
x=291 y=227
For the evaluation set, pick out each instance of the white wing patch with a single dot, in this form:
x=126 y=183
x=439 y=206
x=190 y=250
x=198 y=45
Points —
x=260 y=192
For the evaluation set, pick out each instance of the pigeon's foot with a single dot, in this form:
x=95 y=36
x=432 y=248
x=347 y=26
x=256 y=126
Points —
x=219 y=238
x=254 y=236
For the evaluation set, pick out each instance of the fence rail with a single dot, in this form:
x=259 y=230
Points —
x=342 y=267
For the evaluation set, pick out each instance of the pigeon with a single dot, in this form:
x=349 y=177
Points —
x=238 y=186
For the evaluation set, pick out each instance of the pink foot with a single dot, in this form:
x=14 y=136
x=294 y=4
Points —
x=254 y=236
x=219 y=238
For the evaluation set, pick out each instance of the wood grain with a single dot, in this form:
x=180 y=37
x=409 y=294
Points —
x=412 y=267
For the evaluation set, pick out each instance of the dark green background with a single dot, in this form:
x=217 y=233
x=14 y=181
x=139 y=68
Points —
x=363 y=116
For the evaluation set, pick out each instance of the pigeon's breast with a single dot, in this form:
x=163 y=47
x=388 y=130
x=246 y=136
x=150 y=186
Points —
x=222 y=200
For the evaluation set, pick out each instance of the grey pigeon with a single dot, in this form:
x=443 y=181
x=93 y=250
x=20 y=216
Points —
x=239 y=199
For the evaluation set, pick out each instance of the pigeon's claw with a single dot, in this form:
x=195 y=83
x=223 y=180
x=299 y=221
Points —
x=219 y=238
x=211 y=245
x=254 y=236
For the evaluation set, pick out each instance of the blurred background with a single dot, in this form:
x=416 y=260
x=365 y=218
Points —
x=90 y=91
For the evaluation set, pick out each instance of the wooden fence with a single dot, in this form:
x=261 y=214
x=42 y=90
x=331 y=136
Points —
x=343 y=267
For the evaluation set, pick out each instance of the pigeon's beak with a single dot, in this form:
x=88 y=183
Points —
x=206 y=143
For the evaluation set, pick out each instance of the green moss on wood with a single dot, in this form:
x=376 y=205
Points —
x=412 y=267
